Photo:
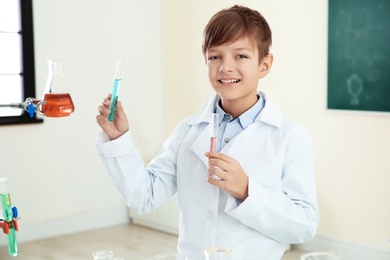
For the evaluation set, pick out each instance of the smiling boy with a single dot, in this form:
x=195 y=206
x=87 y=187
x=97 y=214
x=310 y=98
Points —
x=266 y=196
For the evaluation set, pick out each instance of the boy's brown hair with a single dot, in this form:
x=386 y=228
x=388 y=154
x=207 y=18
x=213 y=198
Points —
x=232 y=24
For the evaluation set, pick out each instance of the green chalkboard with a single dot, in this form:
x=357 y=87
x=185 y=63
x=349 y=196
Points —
x=359 y=55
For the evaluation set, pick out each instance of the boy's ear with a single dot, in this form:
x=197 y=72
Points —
x=265 y=65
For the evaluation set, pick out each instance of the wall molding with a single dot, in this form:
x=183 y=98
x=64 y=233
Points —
x=348 y=250
x=93 y=219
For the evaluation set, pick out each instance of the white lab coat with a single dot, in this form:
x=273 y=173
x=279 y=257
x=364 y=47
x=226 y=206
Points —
x=275 y=153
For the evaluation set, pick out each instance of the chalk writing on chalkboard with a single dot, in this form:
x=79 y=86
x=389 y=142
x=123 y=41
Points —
x=359 y=55
x=355 y=88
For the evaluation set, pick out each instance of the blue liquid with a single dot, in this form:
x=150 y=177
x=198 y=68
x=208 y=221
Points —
x=114 y=99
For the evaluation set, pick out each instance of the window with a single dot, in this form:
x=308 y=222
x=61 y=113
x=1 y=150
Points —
x=17 y=75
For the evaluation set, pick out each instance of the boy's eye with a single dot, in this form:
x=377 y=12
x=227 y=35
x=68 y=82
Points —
x=214 y=57
x=242 y=56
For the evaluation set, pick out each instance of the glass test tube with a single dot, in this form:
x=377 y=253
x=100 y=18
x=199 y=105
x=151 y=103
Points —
x=214 y=137
x=115 y=90
x=214 y=132
x=8 y=217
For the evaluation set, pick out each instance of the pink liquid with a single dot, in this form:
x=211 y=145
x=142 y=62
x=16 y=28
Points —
x=213 y=144
x=213 y=148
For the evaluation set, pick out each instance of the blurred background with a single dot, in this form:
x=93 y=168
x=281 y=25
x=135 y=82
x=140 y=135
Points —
x=56 y=178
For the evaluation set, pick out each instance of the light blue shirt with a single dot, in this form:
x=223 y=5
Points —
x=229 y=127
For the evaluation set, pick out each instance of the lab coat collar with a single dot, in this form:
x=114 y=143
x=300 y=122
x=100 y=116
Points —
x=270 y=114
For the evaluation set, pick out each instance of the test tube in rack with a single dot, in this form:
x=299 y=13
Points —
x=8 y=217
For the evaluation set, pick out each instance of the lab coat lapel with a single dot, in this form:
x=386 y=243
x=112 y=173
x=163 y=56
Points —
x=249 y=138
x=202 y=144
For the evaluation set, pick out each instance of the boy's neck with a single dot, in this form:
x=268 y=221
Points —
x=236 y=108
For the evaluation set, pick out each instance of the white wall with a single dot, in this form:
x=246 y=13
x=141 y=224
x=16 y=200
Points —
x=55 y=175
x=351 y=149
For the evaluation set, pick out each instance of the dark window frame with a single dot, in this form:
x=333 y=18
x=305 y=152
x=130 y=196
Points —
x=28 y=65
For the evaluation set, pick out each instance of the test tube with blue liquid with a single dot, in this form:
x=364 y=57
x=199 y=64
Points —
x=214 y=137
x=115 y=90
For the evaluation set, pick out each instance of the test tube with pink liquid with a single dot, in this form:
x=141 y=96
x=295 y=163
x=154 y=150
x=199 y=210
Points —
x=214 y=137
x=214 y=131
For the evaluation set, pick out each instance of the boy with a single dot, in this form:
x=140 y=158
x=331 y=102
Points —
x=265 y=195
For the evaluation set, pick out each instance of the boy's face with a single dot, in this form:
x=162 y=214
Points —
x=234 y=70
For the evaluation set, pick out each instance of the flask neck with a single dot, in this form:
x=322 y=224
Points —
x=55 y=66
x=55 y=82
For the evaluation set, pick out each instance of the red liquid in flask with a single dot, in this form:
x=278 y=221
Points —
x=57 y=105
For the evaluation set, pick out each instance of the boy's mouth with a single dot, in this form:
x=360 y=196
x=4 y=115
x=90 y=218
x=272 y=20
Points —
x=228 y=81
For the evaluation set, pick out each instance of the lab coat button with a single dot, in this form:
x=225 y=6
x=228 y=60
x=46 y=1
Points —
x=209 y=215
x=226 y=140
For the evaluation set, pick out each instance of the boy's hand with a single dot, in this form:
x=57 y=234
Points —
x=233 y=178
x=119 y=126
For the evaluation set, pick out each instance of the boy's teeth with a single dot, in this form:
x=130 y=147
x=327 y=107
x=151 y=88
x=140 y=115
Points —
x=229 y=80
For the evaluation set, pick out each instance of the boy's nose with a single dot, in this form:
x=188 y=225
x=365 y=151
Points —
x=226 y=66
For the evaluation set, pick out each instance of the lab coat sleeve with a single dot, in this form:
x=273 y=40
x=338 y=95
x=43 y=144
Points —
x=144 y=189
x=136 y=183
x=289 y=214
x=126 y=168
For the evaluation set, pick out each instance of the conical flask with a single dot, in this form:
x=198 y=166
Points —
x=57 y=98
